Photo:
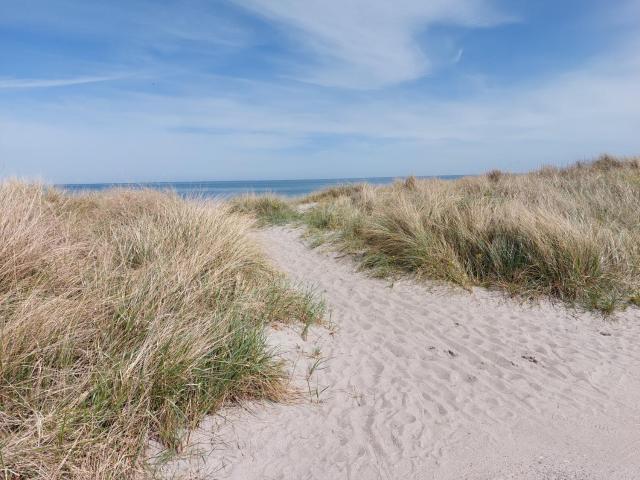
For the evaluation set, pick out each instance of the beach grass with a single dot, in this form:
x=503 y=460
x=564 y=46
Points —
x=268 y=209
x=127 y=316
x=571 y=234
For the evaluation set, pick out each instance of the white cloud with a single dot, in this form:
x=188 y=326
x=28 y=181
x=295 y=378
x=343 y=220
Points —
x=131 y=28
x=6 y=83
x=254 y=129
x=149 y=137
x=370 y=43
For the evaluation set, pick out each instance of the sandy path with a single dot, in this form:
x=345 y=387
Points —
x=433 y=384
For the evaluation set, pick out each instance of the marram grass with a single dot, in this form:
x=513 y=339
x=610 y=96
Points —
x=571 y=234
x=125 y=316
x=268 y=209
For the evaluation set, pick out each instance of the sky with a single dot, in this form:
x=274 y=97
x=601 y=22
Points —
x=161 y=90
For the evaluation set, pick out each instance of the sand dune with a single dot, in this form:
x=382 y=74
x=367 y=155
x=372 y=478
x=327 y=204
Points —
x=418 y=382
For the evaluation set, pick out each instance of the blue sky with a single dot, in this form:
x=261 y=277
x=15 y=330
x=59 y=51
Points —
x=95 y=91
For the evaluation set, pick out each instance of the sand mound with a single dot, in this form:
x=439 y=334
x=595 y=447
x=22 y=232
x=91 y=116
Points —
x=412 y=382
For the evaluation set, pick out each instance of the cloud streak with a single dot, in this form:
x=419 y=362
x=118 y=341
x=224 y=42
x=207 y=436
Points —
x=370 y=43
x=570 y=116
x=20 y=83
x=209 y=94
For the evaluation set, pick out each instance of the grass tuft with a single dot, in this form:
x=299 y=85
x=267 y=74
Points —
x=268 y=209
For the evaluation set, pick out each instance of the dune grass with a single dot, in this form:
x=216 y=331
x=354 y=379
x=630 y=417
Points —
x=571 y=234
x=268 y=209
x=126 y=316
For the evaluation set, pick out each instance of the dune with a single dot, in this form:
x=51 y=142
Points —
x=422 y=381
x=127 y=315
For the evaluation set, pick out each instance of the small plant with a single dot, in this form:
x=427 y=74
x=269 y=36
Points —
x=358 y=397
x=315 y=391
x=494 y=175
x=410 y=183
x=316 y=353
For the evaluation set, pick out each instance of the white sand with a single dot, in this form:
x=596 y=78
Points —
x=434 y=384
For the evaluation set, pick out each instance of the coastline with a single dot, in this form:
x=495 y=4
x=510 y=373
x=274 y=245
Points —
x=225 y=189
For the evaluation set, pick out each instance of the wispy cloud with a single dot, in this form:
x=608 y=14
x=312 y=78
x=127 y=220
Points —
x=134 y=19
x=370 y=43
x=570 y=116
x=211 y=94
x=19 y=83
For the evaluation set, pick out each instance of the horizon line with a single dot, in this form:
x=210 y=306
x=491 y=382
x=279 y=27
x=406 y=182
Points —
x=172 y=182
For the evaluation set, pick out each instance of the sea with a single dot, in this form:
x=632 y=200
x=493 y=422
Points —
x=232 y=188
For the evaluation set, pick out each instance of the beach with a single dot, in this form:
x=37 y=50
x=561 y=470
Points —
x=425 y=381
x=319 y=240
x=481 y=328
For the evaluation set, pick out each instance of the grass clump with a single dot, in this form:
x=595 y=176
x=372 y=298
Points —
x=572 y=234
x=125 y=316
x=348 y=189
x=268 y=209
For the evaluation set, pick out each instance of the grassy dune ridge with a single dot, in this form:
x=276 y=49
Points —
x=572 y=234
x=124 y=316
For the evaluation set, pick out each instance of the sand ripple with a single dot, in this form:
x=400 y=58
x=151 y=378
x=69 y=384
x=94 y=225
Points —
x=429 y=383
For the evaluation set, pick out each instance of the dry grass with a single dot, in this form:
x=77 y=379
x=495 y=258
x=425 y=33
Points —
x=571 y=234
x=126 y=316
x=268 y=209
x=338 y=191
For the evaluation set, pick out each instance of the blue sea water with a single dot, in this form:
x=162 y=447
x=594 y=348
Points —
x=225 y=189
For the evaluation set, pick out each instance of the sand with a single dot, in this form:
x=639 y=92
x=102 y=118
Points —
x=416 y=381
